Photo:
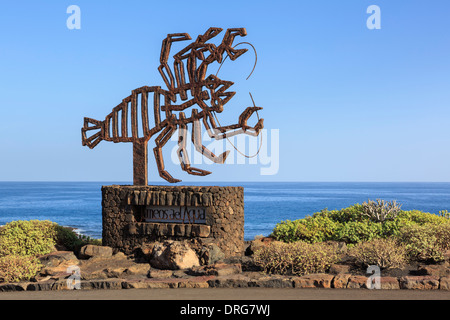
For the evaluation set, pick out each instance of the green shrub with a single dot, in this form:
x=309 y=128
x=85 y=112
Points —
x=22 y=241
x=354 y=225
x=354 y=232
x=71 y=240
x=311 y=229
x=27 y=238
x=420 y=218
x=352 y=213
x=327 y=226
x=385 y=253
x=287 y=231
x=444 y=214
x=391 y=228
x=427 y=242
x=298 y=258
x=18 y=268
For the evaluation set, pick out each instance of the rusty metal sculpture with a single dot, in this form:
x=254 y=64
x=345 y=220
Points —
x=203 y=89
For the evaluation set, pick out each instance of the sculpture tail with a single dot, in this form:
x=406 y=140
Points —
x=97 y=134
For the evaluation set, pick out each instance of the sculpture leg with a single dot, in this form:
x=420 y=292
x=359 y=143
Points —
x=161 y=140
x=197 y=141
x=184 y=157
x=140 y=163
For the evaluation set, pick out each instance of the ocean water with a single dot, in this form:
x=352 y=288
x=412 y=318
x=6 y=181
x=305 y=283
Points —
x=78 y=204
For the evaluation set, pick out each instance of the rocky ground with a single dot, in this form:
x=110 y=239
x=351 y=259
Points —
x=175 y=265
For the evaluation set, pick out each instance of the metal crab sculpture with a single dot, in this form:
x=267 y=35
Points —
x=207 y=92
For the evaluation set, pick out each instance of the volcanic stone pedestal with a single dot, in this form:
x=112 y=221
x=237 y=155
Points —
x=129 y=216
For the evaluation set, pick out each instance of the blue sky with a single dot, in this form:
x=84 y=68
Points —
x=349 y=103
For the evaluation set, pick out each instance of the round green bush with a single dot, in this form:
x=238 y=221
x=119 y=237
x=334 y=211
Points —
x=27 y=238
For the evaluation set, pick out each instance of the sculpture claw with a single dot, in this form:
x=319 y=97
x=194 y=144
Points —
x=166 y=176
x=197 y=172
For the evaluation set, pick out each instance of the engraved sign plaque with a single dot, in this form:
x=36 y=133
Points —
x=175 y=214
